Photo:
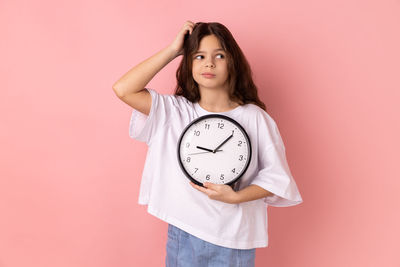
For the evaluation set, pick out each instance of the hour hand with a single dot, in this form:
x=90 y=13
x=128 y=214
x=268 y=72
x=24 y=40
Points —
x=209 y=150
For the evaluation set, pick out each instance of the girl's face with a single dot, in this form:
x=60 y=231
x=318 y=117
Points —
x=210 y=58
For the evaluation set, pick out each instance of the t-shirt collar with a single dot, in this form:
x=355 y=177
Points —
x=202 y=111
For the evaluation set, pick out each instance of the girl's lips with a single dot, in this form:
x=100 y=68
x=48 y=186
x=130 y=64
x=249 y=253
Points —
x=208 y=75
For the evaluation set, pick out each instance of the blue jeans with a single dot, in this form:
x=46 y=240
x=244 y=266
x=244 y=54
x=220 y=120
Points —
x=186 y=250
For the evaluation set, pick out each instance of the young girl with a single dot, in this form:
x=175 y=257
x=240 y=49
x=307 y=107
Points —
x=213 y=224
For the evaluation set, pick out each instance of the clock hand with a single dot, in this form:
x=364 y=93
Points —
x=226 y=140
x=203 y=152
x=207 y=149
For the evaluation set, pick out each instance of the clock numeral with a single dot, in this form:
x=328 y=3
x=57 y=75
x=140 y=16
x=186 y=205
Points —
x=241 y=157
x=196 y=170
x=220 y=125
x=187 y=144
x=208 y=177
x=240 y=143
x=207 y=126
x=188 y=159
x=222 y=177
x=233 y=170
x=196 y=133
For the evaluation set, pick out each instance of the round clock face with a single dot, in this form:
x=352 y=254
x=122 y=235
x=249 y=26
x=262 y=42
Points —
x=214 y=148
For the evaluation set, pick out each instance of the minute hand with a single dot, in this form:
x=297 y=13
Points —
x=226 y=140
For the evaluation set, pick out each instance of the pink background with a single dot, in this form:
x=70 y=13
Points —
x=328 y=72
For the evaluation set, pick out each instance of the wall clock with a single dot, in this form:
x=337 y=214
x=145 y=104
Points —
x=214 y=148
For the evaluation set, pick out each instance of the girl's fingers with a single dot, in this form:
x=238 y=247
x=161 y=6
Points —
x=206 y=191
x=189 y=26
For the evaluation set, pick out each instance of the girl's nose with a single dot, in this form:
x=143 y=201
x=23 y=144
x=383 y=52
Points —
x=209 y=61
x=210 y=64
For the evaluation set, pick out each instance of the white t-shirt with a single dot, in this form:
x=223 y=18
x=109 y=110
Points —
x=170 y=197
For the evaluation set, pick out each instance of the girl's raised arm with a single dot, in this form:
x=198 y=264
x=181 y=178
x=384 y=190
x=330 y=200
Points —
x=130 y=87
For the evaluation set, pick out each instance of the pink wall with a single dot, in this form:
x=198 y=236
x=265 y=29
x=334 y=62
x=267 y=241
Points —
x=328 y=72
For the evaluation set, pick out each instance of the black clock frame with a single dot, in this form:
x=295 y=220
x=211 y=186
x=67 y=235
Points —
x=232 y=183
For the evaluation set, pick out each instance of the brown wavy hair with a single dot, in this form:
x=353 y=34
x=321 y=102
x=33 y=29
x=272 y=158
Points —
x=241 y=86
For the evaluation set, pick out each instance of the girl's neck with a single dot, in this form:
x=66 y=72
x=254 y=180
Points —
x=216 y=101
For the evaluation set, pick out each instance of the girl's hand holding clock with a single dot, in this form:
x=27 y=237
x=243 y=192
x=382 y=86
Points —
x=221 y=192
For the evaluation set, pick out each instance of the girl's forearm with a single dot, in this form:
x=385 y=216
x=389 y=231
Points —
x=251 y=192
x=139 y=76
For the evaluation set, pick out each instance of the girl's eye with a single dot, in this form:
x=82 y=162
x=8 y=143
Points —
x=217 y=55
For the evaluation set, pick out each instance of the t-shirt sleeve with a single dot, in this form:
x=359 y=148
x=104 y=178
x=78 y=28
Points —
x=144 y=127
x=274 y=174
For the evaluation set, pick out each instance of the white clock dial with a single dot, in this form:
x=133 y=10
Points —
x=200 y=140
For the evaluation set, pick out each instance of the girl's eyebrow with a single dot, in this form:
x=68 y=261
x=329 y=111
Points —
x=219 y=49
